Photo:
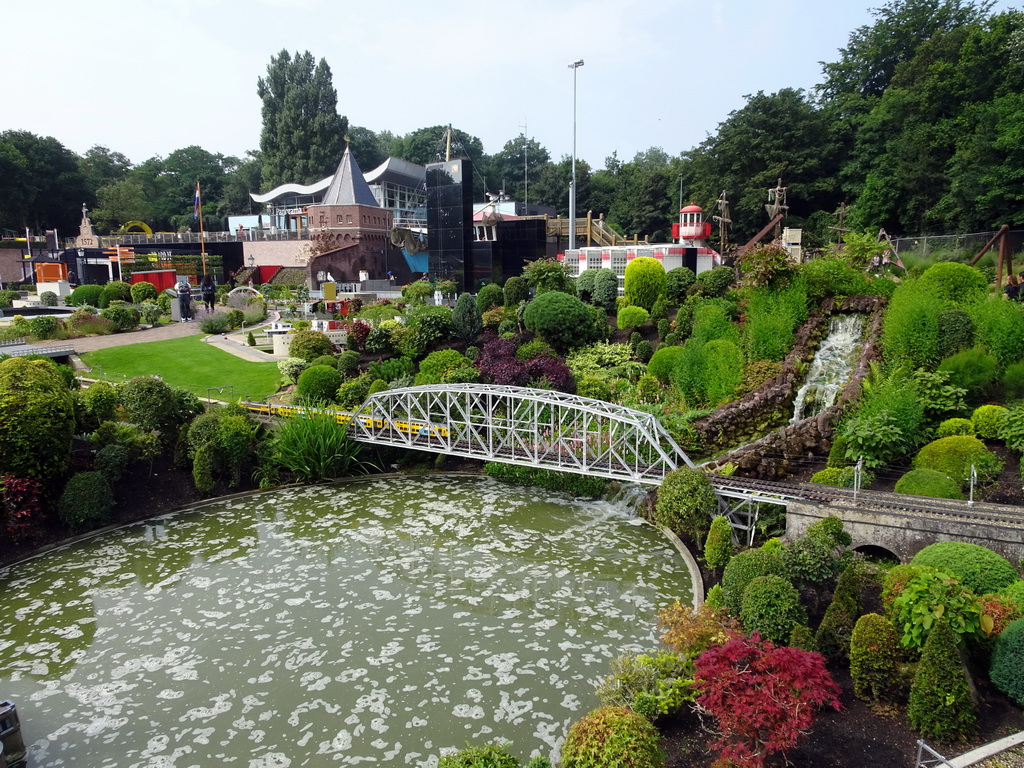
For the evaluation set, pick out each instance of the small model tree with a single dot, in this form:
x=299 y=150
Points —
x=466 y=320
x=940 y=705
x=719 y=547
x=684 y=498
x=563 y=321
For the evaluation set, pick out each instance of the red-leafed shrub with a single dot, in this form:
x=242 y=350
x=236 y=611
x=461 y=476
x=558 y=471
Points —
x=762 y=697
x=552 y=370
x=358 y=334
x=23 y=508
x=498 y=364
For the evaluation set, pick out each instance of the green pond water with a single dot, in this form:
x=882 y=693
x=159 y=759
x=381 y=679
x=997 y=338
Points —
x=373 y=622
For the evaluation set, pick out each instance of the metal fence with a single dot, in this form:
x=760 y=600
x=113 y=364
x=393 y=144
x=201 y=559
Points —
x=962 y=247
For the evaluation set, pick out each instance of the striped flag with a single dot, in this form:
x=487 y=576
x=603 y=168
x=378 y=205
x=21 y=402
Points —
x=195 y=208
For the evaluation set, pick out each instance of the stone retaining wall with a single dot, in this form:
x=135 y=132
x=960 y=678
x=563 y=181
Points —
x=780 y=452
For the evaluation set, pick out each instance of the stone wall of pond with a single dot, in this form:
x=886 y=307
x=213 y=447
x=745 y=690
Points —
x=784 y=451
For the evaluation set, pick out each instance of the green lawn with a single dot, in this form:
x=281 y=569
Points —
x=188 y=363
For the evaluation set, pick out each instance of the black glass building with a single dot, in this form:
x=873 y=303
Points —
x=450 y=220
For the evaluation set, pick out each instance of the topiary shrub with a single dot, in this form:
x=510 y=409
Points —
x=490 y=756
x=928 y=482
x=940 y=705
x=348 y=362
x=585 y=284
x=37 y=420
x=516 y=290
x=318 y=384
x=771 y=607
x=467 y=322
x=803 y=638
x=560 y=319
x=644 y=350
x=115 y=290
x=663 y=362
x=606 y=289
x=955 y=283
x=85 y=295
x=988 y=421
x=743 y=568
x=595 y=387
x=309 y=345
x=353 y=392
x=718 y=548
x=954 y=427
x=609 y=736
x=873 y=657
x=489 y=297
x=44 y=327
x=684 y=499
x=48 y=299
x=631 y=317
x=142 y=291
x=122 y=317
x=645 y=281
x=677 y=283
x=1006 y=669
x=954 y=456
x=976 y=567
x=86 y=501
x=110 y=461
x=838 y=476
x=956 y=332
x=715 y=282
x=154 y=405
x=437 y=364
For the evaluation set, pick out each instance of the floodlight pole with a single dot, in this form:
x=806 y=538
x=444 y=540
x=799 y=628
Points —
x=572 y=187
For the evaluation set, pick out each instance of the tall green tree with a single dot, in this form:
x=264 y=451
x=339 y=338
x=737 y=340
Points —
x=120 y=202
x=303 y=134
x=520 y=161
x=42 y=186
x=366 y=147
x=781 y=135
x=869 y=60
x=101 y=166
x=429 y=145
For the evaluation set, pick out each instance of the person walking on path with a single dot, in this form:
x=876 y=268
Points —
x=184 y=289
x=209 y=289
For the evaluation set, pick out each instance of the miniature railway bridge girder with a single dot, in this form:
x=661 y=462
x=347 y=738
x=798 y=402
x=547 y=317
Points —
x=519 y=425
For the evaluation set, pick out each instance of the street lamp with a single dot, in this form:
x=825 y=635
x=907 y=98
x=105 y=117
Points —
x=572 y=187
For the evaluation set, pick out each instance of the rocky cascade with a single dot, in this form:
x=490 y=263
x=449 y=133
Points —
x=783 y=450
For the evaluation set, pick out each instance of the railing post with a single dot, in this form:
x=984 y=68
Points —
x=857 y=470
x=974 y=479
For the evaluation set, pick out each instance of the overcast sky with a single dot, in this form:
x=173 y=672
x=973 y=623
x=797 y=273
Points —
x=146 y=78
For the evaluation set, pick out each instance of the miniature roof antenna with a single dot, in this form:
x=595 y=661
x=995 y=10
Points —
x=723 y=219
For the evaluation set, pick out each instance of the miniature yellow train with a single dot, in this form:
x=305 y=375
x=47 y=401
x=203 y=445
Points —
x=344 y=417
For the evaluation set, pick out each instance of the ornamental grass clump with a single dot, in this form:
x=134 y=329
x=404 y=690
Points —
x=650 y=684
x=612 y=736
x=940 y=705
x=315 y=448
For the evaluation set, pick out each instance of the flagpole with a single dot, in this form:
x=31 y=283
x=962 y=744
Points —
x=202 y=236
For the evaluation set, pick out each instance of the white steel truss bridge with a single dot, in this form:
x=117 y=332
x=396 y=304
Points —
x=518 y=425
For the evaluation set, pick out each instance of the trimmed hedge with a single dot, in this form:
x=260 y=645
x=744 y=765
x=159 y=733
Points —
x=978 y=568
x=684 y=499
x=954 y=427
x=319 y=383
x=953 y=456
x=940 y=705
x=86 y=501
x=928 y=482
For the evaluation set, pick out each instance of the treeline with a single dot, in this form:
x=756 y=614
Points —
x=915 y=127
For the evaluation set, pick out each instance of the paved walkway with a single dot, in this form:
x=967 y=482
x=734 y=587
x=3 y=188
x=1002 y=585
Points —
x=234 y=342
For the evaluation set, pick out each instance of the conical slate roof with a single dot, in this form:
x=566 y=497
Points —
x=349 y=187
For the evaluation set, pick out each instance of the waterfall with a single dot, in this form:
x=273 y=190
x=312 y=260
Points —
x=627 y=497
x=831 y=368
